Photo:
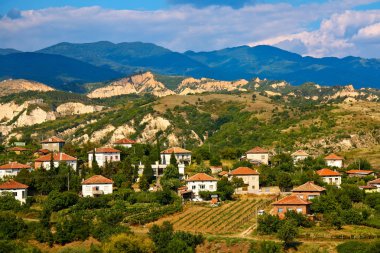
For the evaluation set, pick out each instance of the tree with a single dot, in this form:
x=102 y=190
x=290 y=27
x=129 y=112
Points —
x=237 y=182
x=148 y=172
x=72 y=227
x=57 y=201
x=361 y=164
x=334 y=220
x=268 y=224
x=173 y=160
x=287 y=232
x=284 y=181
x=8 y=202
x=128 y=243
x=215 y=161
x=225 y=188
x=94 y=165
x=11 y=227
x=161 y=235
x=143 y=183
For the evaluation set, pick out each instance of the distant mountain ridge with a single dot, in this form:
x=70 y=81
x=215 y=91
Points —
x=110 y=61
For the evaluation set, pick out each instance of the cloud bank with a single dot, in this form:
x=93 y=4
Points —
x=327 y=29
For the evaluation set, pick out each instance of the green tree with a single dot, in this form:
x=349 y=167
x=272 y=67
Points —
x=225 y=188
x=148 y=172
x=268 y=224
x=287 y=232
x=284 y=181
x=94 y=165
x=11 y=227
x=128 y=243
x=143 y=183
x=173 y=160
x=8 y=202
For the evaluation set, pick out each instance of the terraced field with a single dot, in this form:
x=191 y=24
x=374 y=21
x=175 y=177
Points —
x=232 y=217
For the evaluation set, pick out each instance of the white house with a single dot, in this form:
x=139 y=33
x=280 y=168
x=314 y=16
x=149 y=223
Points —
x=258 y=155
x=331 y=177
x=299 y=155
x=333 y=160
x=201 y=182
x=97 y=185
x=12 y=169
x=53 y=144
x=58 y=158
x=375 y=183
x=126 y=143
x=250 y=178
x=102 y=155
x=19 y=191
x=182 y=155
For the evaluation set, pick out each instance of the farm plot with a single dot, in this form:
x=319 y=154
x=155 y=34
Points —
x=229 y=218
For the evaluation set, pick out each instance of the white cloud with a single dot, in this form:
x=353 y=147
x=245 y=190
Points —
x=340 y=33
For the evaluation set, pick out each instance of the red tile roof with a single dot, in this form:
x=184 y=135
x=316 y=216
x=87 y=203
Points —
x=53 y=139
x=367 y=187
x=201 y=177
x=300 y=153
x=309 y=187
x=244 y=171
x=97 y=179
x=333 y=157
x=291 y=200
x=176 y=150
x=376 y=181
x=106 y=150
x=327 y=172
x=365 y=172
x=18 y=149
x=14 y=165
x=257 y=150
x=125 y=141
x=56 y=157
x=44 y=151
x=222 y=173
x=11 y=184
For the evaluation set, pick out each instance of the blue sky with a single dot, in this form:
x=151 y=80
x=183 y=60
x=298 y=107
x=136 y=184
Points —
x=315 y=27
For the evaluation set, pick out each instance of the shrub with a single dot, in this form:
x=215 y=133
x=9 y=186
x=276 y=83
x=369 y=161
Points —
x=11 y=227
x=268 y=224
x=128 y=243
x=8 y=202
x=287 y=232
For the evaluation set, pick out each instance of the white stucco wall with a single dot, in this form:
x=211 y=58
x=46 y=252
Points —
x=262 y=158
x=334 y=163
x=88 y=189
x=73 y=164
x=19 y=194
x=101 y=158
x=197 y=186
x=181 y=158
x=333 y=180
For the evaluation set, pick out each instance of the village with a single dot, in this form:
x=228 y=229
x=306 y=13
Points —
x=192 y=186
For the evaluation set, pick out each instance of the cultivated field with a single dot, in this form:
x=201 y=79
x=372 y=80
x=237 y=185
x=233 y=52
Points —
x=229 y=218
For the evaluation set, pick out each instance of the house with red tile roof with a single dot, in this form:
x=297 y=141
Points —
x=360 y=173
x=201 y=182
x=12 y=169
x=331 y=177
x=58 y=158
x=97 y=185
x=18 y=190
x=53 y=144
x=125 y=143
x=368 y=188
x=183 y=156
x=250 y=178
x=103 y=155
x=223 y=173
x=299 y=155
x=18 y=150
x=291 y=203
x=308 y=190
x=258 y=155
x=375 y=183
x=333 y=160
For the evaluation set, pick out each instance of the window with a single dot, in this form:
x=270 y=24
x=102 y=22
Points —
x=202 y=186
x=116 y=157
x=300 y=196
x=14 y=194
x=330 y=180
x=211 y=187
x=262 y=157
x=290 y=209
x=280 y=210
x=253 y=187
x=193 y=187
x=299 y=210
x=23 y=194
x=311 y=197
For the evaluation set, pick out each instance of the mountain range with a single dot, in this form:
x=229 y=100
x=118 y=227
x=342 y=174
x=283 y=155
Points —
x=67 y=66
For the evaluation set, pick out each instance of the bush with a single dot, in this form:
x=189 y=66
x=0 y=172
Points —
x=11 y=227
x=16 y=247
x=8 y=202
x=287 y=232
x=72 y=227
x=268 y=224
x=128 y=243
x=57 y=201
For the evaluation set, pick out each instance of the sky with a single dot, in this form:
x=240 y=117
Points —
x=318 y=28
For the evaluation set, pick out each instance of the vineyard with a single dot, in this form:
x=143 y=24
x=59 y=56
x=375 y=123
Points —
x=232 y=217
